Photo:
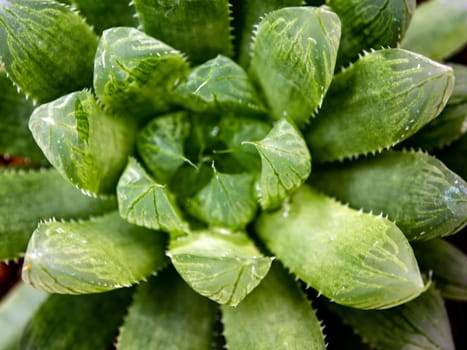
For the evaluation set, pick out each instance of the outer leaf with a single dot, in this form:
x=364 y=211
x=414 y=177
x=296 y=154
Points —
x=161 y=145
x=16 y=309
x=86 y=145
x=199 y=28
x=438 y=29
x=417 y=191
x=219 y=86
x=370 y=24
x=285 y=164
x=27 y=198
x=222 y=267
x=228 y=200
x=91 y=256
x=447 y=264
x=362 y=115
x=77 y=322
x=165 y=306
x=293 y=57
x=419 y=324
x=58 y=39
x=353 y=258
x=144 y=202
x=134 y=74
x=274 y=316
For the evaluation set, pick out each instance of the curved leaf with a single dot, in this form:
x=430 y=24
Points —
x=60 y=42
x=222 y=267
x=362 y=115
x=353 y=258
x=144 y=202
x=293 y=57
x=91 y=256
x=85 y=144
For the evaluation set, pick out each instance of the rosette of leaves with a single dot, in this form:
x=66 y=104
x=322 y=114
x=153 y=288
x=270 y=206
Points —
x=175 y=164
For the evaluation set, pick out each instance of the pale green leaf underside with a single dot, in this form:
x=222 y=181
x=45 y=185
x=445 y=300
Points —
x=293 y=57
x=285 y=164
x=424 y=198
x=91 y=256
x=29 y=197
x=275 y=315
x=144 y=202
x=419 y=324
x=447 y=263
x=224 y=268
x=165 y=306
x=86 y=145
x=352 y=258
x=362 y=115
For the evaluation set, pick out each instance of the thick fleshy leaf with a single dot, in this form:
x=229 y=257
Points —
x=419 y=324
x=77 y=322
x=275 y=315
x=285 y=164
x=417 y=191
x=14 y=116
x=86 y=145
x=135 y=74
x=438 y=29
x=451 y=124
x=293 y=58
x=447 y=265
x=370 y=24
x=222 y=267
x=219 y=86
x=197 y=27
x=161 y=145
x=228 y=200
x=47 y=48
x=163 y=307
x=144 y=202
x=361 y=115
x=355 y=259
x=29 y=197
x=16 y=309
x=91 y=256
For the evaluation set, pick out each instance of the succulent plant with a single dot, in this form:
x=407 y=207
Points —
x=168 y=200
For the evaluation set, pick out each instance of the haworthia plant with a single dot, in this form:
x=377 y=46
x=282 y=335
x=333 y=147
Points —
x=417 y=191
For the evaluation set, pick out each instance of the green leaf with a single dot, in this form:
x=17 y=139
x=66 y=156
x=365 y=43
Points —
x=16 y=309
x=161 y=145
x=451 y=124
x=285 y=164
x=362 y=115
x=46 y=47
x=293 y=57
x=228 y=200
x=419 y=324
x=91 y=256
x=222 y=267
x=355 y=259
x=447 y=265
x=219 y=86
x=86 y=145
x=370 y=24
x=29 y=197
x=135 y=74
x=275 y=315
x=197 y=27
x=438 y=29
x=424 y=198
x=77 y=322
x=144 y=202
x=163 y=307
